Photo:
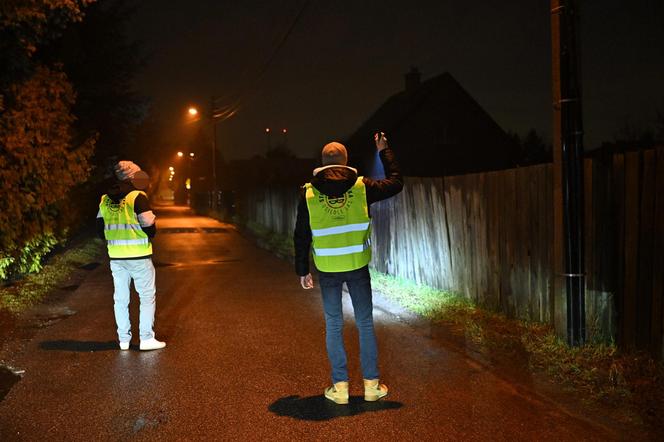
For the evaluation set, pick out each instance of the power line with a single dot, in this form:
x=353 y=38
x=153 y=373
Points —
x=224 y=112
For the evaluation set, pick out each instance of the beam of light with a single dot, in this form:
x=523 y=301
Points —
x=375 y=167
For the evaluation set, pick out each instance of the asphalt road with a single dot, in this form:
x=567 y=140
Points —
x=245 y=361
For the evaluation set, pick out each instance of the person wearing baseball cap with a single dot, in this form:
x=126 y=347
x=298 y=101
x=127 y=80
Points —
x=127 y=224
x=333 y=219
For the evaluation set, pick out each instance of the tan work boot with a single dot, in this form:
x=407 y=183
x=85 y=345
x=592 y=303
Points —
x=374 y=390
x=338 y=393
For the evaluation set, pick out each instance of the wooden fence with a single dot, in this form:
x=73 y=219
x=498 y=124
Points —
x=488 y=236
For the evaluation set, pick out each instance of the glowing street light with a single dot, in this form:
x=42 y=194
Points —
x=171 y=168
x=180 y=154
x=191 y=154
x=193 y=111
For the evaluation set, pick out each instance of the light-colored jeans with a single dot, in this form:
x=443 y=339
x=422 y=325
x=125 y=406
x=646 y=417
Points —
x=143 y=273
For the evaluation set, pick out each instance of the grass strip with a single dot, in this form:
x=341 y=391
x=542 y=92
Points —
x=30 y=290
x=598 y=371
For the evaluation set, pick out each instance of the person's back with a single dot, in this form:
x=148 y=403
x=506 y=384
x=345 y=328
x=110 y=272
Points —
x=127 y=224
x=333 y=217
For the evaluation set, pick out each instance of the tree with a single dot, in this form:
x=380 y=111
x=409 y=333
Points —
x=38 y=166
x=101 y=62
x=40 y=162
x=534 y=150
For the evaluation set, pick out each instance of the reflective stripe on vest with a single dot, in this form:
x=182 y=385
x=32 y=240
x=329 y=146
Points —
x=340 y=228
x=127 y=242
x=122 y=227
x=124 y=236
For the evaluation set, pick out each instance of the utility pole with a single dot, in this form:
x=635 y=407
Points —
x=214 y=145
x=568 y=253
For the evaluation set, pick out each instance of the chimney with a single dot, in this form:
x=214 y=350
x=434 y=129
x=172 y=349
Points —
x=412 y=79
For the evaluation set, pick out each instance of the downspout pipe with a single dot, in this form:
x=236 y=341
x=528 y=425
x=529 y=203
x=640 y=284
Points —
x=572 y=169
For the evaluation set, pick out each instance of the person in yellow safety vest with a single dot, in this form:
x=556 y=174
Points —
x=127 y=224
x=333 y=217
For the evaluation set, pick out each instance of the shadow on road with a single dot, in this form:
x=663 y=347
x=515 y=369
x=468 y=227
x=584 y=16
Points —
x=82 y=346
x=317 y=408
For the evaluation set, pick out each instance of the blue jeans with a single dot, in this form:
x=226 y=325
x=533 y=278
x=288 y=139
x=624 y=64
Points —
x=359 y=286
x=143 y=273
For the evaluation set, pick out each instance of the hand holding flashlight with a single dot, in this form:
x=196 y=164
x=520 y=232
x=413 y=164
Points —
x=381 y=141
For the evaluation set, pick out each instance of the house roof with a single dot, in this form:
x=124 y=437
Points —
x=435 y=128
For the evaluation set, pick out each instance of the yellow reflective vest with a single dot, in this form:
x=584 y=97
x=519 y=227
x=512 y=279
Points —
x=124 y=236
x=340 y=228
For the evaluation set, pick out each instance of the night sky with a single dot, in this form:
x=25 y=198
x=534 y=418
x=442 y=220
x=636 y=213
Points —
x=344 y=58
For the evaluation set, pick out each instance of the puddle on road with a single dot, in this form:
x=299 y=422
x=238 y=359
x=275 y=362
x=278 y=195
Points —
x=195 y=263
x=171 y=230
x=69 y=288
x=214 y=230
x=167 y=230
x=8 y=378
x=163 y=264
x=48 y=316
x=90 y=266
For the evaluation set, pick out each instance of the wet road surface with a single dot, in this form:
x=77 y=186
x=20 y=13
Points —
x=245 y=361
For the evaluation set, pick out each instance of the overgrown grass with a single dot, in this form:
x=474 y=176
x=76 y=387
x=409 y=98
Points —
x=281 y=245
x=32 y=288
x=598 y=371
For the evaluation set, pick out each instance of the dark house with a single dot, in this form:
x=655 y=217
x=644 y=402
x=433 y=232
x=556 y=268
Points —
x=436 y=128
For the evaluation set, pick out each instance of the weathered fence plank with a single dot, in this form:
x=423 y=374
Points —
x=631 y=246
x=657 y=321
x=644 y=278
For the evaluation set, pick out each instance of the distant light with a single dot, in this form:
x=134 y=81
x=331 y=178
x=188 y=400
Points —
x=267 y=130
x=180 y=154
x=191 y=154
x=187 y=183
x=171 y=168
x=193 y=111
x=284 y=130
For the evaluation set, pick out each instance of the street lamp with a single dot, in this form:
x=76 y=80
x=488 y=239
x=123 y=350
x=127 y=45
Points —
x=180 y=154
x=194 y=112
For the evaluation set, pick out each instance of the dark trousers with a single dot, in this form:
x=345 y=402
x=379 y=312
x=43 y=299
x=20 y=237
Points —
x=359 y=286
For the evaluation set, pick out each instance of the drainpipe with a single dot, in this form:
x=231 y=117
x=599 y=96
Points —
x=568 y=121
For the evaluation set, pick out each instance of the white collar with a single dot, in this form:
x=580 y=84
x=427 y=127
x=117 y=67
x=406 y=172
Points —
x=320 y=169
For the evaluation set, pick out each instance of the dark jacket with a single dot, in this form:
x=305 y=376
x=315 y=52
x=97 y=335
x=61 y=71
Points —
x=334 y=182
x=117 y=192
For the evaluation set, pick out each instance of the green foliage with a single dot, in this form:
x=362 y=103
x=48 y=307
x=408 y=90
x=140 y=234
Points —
x=34 y=287
x=29 y=259
x=423 y=300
